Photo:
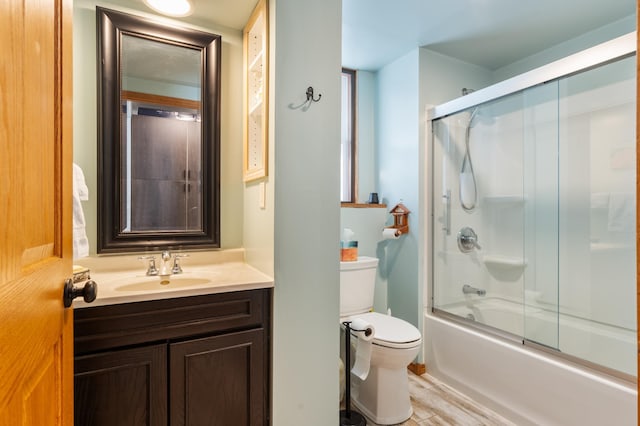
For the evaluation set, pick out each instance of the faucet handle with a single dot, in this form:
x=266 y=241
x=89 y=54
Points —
x=152 y=269
x=177 y=269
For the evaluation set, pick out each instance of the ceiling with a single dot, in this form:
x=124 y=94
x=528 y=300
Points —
x=227 y=13
x=489 y=33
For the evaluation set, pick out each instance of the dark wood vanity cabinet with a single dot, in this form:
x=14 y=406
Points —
x=201 y=360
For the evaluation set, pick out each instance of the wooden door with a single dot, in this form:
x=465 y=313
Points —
x=36 y=333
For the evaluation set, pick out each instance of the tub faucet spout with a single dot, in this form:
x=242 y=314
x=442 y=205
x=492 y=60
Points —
x=467 y=289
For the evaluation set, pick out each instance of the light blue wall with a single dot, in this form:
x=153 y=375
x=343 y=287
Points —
x=160 y=88
x=442 y=78
x=307 y=208
x=566 y=48
x=397 y=130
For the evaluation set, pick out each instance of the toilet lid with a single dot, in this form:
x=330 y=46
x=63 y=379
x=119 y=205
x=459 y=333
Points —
x=390 y=329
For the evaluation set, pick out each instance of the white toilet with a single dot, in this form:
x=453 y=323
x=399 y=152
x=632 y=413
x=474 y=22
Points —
x=383 y=397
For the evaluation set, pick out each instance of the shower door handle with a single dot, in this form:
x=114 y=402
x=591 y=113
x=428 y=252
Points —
x=446 y=217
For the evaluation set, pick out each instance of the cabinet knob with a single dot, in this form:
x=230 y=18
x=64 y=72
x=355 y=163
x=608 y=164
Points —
x=88 y=292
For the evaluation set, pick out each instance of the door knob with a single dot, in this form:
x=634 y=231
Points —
x=88 y=292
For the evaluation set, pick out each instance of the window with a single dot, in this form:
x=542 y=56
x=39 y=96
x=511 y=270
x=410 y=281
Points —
x=348 y=138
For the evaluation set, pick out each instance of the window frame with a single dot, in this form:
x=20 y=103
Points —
x=352 y=160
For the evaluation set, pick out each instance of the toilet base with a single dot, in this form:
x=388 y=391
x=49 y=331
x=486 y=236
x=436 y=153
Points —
x=384 y=396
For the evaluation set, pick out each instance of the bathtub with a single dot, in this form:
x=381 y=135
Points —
x=524 y=384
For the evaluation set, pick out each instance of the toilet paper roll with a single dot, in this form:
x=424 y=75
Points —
x=365 y=333
x=389 y=234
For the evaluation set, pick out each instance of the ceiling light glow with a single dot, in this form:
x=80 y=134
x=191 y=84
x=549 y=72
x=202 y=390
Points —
x=171 y=7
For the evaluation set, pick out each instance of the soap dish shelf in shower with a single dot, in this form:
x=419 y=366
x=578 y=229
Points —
x=504 y=261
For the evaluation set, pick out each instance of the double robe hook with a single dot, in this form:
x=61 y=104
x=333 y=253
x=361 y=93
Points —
x=310 y=95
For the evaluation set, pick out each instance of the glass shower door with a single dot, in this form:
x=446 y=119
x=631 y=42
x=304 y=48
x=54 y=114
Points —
x=541 y=165
x=479 y=203
x=597 y=205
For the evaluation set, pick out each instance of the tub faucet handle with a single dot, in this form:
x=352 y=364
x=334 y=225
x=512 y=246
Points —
x=151 y=269
x=467 y=240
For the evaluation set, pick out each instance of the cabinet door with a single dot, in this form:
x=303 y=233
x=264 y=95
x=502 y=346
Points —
x=122 y=387
x=219 y=380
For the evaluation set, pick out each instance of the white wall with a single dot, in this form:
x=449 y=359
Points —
x=307 y=208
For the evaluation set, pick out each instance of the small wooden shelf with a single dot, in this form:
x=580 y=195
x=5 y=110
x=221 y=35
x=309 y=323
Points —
x=255 y=110
x=256 y=63
x=363 y=206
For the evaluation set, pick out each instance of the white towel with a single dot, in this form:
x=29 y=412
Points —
x=80 y=193
x=622 y=211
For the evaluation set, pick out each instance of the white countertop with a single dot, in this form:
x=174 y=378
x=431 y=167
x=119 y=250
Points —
x=123 y=279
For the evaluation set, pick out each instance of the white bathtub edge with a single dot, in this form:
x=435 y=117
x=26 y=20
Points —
x=522 y=384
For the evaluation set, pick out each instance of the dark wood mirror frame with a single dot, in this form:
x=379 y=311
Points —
x=111 y=25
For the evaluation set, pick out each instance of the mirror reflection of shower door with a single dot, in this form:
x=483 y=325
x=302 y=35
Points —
x=164 y=172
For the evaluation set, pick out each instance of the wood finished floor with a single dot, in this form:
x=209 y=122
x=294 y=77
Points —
x=436 y=404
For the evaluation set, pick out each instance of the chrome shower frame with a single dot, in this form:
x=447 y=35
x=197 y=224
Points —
x=597 y=55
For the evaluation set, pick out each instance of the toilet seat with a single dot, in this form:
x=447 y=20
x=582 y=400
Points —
x=391 y=332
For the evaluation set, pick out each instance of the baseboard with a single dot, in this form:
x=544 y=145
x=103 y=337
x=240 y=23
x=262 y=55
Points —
x=416 y=368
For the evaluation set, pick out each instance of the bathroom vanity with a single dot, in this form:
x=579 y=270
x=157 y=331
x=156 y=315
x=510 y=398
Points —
x=196 y=354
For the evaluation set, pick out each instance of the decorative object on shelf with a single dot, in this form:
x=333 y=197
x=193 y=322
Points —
x=310 y=97
x=400 y=219
x=256 y=62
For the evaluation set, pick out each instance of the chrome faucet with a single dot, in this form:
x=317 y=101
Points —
x=467 y=289
x=164 y=268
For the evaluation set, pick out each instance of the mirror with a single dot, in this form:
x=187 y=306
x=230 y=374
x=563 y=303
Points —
x=158 y=135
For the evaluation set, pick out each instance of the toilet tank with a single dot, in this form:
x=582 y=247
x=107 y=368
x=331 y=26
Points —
x=357 y=282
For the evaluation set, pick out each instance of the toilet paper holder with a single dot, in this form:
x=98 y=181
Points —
x=400 y=214
x=348 y=417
